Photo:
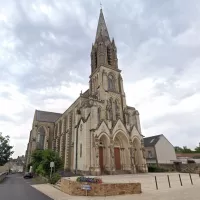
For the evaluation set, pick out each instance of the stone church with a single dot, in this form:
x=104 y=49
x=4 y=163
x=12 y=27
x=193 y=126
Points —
x=98 y=133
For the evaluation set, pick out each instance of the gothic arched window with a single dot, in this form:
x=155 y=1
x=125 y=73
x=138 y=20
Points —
x=99 y=115
x=40 y=138
x=117 y=109
x=111 y=82
x=109 y=57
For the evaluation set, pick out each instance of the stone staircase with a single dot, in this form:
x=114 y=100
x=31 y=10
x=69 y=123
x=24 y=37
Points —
x=58 y=185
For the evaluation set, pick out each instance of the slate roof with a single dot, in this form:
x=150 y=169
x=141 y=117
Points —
x=45 y=116
x=151 y=141
x=102 y=30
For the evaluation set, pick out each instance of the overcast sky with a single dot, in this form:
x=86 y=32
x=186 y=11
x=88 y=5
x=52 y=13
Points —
x=45 y=61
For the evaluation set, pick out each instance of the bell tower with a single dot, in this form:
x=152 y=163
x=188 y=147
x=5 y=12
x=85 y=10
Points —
x=104 y=51
x=106 y=83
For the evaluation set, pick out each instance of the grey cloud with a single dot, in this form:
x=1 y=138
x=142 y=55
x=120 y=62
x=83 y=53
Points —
x=6 y=118
x=48 y=47
x=6 y=95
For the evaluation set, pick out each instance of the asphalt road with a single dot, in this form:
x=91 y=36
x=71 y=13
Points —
x=14 y=187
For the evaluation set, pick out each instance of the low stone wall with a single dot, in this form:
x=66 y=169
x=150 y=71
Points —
x=184 y=168
x=190 y=168
x=168 y=167
x=105 y=189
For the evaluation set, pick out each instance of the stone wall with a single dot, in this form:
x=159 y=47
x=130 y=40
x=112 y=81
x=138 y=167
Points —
x=184 y=168
x=104 y=189
x=190 y=168
x=168 y=167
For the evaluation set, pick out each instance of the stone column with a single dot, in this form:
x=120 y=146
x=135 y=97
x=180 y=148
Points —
x=132 y=158
x=112 y=157
x=46 y=142
x=60 y=149
x=97 y=170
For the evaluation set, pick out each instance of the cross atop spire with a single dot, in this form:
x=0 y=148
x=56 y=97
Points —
x=102 y=30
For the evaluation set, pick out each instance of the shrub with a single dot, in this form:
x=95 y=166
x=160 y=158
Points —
x=154 y=168
x=55 y=178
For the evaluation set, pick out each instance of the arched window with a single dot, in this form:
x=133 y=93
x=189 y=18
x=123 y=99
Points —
x=40 y=138
x=109 y=55
x=117 y=112
x=111 y=82
x=99 y=115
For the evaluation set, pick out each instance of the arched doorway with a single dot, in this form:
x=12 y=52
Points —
x=121 y=152
x=40 y=138
x=117 y=147
x=137 y=154
x=103 y=152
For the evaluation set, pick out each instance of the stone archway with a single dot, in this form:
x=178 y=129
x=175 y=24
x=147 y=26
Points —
x=138 y=156
x=121 y=152
x=104 y=158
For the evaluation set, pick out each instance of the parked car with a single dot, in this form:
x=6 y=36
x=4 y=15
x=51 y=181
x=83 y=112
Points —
x=28 y=175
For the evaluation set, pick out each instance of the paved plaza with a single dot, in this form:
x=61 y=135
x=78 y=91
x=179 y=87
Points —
x=176 y=192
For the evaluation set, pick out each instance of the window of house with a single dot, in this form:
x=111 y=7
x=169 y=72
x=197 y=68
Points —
x=80 y=150
x=150 y=154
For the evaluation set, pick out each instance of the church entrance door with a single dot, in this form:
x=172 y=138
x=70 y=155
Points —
x=101 y=158
x=117 y=158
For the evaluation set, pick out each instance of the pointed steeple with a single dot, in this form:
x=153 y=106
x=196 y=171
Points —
x=102 y=30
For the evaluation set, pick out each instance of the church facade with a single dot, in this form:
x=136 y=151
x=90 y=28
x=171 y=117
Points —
x=98 y=133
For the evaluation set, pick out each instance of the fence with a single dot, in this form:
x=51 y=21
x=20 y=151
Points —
x=171 y=180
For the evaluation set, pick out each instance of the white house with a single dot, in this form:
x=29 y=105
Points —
x=159 y=150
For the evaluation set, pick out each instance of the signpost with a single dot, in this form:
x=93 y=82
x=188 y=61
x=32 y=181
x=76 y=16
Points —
x=51 y=165
x=30 y=170
x=86 y=188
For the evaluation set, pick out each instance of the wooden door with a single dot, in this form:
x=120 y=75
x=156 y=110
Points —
x=101 y=157
x=117 y=159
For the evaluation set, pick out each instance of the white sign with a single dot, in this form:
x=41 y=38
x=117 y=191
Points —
x=86 y=187
x=30 y=170
x=51 y=164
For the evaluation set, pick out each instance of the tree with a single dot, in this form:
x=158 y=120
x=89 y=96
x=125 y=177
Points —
x=183 y=150
x=197 y=149
x=186 y=150
x=178 y=149
x=41 y=161
x=5 y=149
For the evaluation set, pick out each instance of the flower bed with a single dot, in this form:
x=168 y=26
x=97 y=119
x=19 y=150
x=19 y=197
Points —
x=88 y=179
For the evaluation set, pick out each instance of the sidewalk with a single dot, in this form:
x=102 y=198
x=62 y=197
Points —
x=188 y=192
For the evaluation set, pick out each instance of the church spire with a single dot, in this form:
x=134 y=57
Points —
x=102 y=31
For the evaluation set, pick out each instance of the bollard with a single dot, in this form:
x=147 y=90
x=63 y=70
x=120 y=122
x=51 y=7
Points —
x=156 y=183
x=180 y=180
x=169 y=181
x=191 y=178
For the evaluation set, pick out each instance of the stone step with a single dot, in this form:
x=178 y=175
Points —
x=57 y=187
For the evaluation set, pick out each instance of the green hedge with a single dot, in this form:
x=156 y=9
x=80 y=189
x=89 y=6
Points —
x=55 y=178
x=156 y=169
